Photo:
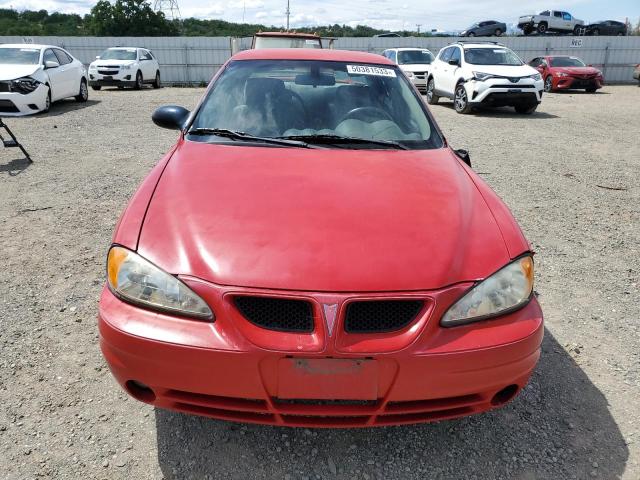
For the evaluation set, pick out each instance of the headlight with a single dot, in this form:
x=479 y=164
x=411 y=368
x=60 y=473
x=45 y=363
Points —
x=536 y=76
x=506 y=290
x=410 y=74
x=599 y=73
x=481 y=76
x=136 y=280
x=126 y=67
x=24 y=85
x=562 y=74
x=92 y=67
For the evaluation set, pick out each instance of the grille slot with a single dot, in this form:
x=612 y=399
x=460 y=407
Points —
x=280 y=314
x=378 y=316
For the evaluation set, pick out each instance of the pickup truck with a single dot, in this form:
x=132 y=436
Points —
x=550 y=21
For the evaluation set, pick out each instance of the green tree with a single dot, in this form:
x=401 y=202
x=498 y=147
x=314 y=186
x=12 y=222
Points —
x=128 y=18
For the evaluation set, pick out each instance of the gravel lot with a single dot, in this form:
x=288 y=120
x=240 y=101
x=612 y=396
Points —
x=570 y=175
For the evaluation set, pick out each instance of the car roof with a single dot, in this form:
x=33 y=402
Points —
x=478 y=45
x=27 y=45
x=405 y=49
x=311 y=54
x=287 y=34
x=125 y=48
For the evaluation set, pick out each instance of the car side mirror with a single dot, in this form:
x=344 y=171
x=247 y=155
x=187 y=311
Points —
x=51 y=64
x=463 y=155
x=172 y=117
x=454 y=62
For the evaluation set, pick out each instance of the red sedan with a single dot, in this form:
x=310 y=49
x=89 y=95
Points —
x=311 y=252
x=564 y=73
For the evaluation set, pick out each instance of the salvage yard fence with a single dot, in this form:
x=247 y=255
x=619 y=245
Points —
x=194 y=60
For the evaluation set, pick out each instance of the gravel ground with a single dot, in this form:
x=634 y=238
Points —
x=569 y=172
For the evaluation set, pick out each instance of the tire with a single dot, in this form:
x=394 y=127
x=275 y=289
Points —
x=432 y=98
x=156 y=81
x=548 y=84
x=83 y=93
x=471 y=34
x=139 y=81
x=498 y=32
x=526 y=109
x=47 y=105
x=542 y=27
x=591 y=90
x=527 y=30
x=96 y=87
x=577 y=30
x=460 y=100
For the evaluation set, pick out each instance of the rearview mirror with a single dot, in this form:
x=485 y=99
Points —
x=454 y=62
x=463 y=155
x=172 y=117
x=321 y=79
x=51 y=64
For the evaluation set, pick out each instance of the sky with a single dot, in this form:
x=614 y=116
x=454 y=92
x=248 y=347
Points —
x=384 y=14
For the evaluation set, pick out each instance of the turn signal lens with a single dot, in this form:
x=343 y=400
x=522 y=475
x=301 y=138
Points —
x=136 y=280
x=506 y=290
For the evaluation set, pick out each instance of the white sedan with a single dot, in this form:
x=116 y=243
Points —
x=34 y=76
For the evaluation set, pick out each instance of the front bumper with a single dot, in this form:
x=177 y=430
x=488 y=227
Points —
x=420 y=81
x=17 y=104
x=566 y=83
x=501 y=92
x=117 y=78
x=233 y=370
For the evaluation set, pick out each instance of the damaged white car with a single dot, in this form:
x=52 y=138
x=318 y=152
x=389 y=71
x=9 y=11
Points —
x=34 y=76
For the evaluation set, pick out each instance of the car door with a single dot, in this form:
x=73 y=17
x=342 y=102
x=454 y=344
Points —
x=56 y=82
x=555 y=20
x=452 y=71
x=567 y=21
x=441 y=69
x=69 y=74
x=146 y=65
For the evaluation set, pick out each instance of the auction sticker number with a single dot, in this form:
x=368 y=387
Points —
x=369 y=70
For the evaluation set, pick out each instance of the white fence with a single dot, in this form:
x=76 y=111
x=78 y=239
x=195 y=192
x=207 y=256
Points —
x=194 y=60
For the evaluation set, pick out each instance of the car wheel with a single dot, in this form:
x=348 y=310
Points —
x=83 y=93
x=498 y=32
x=471 y=34
x=432 y=98
x=527 y=30
x=460 y=100
x=595 y=32
x=577 y=30
x=96 y=87
x=591 y=90
x=526 y=109
x=548 y=84
x=138 y=84
x=156 y=82
x=620 y=34
x=542 y=27
x=47 y=102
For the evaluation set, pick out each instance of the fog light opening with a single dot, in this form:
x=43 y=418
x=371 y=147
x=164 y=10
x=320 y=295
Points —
x=140 y=391
x=504 y=395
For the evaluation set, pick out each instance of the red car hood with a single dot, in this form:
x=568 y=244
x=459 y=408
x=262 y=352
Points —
x=576 y=70
x=320 y=220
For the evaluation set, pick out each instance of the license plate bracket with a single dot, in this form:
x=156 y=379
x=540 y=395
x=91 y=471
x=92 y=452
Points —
x=327 y=379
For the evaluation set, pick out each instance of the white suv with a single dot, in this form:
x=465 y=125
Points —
x=124 y=67
x=414 y=62
x=484 y=74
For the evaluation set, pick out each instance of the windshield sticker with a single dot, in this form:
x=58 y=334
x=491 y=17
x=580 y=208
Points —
x=369 y=70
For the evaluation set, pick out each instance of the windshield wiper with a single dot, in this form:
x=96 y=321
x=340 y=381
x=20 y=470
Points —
x=339 y=139
x=233 y=135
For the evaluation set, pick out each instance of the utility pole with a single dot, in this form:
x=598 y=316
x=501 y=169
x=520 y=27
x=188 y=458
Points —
x=418 y=25
x=288 y=12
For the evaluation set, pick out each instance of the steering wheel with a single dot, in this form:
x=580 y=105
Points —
x=362 y=113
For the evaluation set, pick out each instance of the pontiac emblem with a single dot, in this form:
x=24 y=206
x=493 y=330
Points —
x=330 y=310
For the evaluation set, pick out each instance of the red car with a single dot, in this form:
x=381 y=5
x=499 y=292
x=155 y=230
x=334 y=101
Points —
x=564 y=73
x=311 y=252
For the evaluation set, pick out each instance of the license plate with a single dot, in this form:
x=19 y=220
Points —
x=515 y=90
x=327 y=379
x=107 y=77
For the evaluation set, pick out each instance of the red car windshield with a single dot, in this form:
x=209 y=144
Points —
x=566 y=62
x=304 y=98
